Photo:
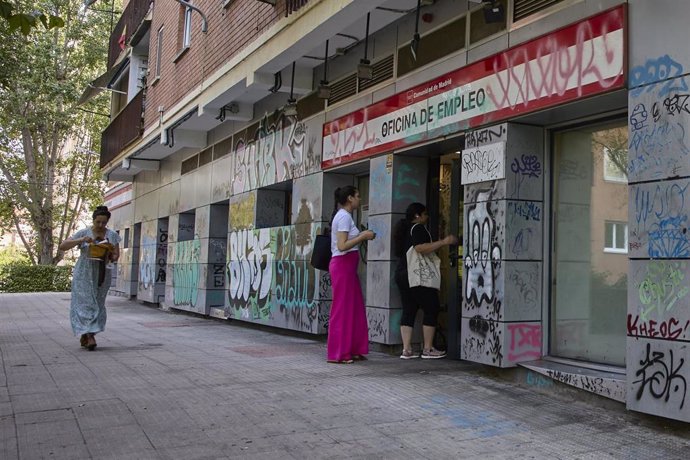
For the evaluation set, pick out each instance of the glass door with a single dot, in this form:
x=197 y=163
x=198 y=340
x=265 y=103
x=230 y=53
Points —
x=590 y=262
x=451 y=214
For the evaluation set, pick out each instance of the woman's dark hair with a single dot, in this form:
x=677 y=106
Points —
x=402 y=228
x=101 y=211
x=341 y=195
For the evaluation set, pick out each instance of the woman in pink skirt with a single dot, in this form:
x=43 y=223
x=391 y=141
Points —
x=348 y=332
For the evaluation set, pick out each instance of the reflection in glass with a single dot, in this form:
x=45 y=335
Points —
x=590 y=265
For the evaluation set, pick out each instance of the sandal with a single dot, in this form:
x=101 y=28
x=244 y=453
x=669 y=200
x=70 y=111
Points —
x=359 y=358
x=91 y=342
x=342 y=361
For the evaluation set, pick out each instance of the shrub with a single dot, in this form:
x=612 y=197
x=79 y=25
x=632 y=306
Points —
x=24 y=277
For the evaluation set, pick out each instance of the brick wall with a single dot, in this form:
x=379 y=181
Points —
x=230 y=29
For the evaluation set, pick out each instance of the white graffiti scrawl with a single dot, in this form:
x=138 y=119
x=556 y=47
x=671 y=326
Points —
x=250 y=272
x=483 y=253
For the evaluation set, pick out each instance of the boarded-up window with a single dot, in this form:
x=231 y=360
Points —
x=525 y=8
x=190 y=164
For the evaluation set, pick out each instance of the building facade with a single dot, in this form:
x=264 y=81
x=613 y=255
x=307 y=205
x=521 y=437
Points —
x=548 y=135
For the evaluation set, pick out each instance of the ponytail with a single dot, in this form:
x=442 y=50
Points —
x=340 y=196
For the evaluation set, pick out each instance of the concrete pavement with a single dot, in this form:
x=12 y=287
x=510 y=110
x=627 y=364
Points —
x=172 y=386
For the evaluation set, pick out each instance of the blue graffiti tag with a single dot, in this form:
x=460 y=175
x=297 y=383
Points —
x=655 y=70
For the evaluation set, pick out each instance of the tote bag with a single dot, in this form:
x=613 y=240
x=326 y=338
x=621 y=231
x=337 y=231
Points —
x=423 y=269
x=321 y=254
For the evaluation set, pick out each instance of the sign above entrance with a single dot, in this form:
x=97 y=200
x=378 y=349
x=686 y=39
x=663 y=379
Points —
x=485 y=163
x=577 y=61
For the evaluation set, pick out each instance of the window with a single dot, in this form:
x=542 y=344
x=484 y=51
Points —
x=159 y=52
x=125 y=240
x=616 y=237
x=590 y=285
x=480 y=28
x=187 y=28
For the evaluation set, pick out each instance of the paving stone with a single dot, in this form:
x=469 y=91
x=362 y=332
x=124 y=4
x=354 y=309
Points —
x=171 y=386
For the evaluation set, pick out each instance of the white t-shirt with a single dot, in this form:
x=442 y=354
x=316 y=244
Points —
x=342 y=222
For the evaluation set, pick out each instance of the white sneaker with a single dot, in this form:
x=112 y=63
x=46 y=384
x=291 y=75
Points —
x=433 y=353
x=408 y=354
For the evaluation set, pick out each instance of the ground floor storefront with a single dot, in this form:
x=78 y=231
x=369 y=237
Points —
x=562 y=170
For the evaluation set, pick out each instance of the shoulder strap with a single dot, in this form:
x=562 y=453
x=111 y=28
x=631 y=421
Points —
x=427 y=230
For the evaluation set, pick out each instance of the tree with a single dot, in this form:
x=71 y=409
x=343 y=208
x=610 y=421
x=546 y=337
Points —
x=49 y=173
x=614 y=143
x=26 y=21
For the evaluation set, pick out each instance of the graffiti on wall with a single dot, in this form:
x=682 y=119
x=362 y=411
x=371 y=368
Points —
x=661 y=375
x=656 y=70
x=242 y=211
x=250 y=272
x=579 y=60
x=147 y=263
x=275 y=153
x=659 y=115
x=270 y=279
x=527 y=167
x=660 y=217
x=524 y=341
x=483 y=254
x=659 y=290
x=186 y=265
x=153 y=262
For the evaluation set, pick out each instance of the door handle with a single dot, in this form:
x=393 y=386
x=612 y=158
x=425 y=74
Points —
x=453 y=256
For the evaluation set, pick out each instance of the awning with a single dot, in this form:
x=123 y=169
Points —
x=101 y=83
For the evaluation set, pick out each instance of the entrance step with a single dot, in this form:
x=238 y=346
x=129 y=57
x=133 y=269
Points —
x=607 y=384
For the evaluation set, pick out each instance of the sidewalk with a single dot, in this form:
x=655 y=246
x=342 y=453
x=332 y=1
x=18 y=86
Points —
x=162 y=385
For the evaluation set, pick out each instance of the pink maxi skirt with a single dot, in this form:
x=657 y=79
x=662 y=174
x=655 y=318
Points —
x=348 y=332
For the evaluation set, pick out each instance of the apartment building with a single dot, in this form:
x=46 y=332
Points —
x=548 y=134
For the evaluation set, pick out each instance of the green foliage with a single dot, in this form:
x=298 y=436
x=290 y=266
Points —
x=24 y=277
x=12 y=254
x=26 y=21
x=49 y=168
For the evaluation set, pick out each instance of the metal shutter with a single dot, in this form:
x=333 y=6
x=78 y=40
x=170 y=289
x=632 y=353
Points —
x=524 y=8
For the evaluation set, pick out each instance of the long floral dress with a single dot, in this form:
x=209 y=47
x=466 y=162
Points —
x=87 y=309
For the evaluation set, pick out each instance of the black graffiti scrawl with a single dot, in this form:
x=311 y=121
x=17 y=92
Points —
x=660 y=375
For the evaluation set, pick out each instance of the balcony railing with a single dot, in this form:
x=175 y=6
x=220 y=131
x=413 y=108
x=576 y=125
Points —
x=124 y=129
x=294 y=5
x=130 y=20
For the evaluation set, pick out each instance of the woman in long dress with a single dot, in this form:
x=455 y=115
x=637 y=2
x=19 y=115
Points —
x=348 y=332
x=91 y=277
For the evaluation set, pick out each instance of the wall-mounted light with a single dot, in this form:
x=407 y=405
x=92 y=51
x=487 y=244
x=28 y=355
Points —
x=324 y=91
x=232 y=108
x=126 y=163
x=365 y=71
x=290 y=109
x=204 y=21
x=414 y=45
x=494 y=12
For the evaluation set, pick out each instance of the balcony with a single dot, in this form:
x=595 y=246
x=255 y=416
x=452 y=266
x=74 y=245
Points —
x=294 y=5
x=128 y=25
x=125 y=128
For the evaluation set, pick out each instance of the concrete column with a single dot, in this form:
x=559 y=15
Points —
x=658 y=322
x=153 y=255
x=502 y=247
x=395 y=181
x=183 y=283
